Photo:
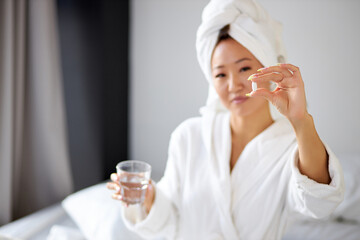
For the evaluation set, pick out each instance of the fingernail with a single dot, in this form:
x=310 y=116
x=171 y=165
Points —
x=117 y=188
x=248 y=94
x=117 y=196
x=113 y=176
x=260 y=69
x=251 y=77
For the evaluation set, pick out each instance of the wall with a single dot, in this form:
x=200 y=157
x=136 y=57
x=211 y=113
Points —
x=167 y=85
x=94 y=56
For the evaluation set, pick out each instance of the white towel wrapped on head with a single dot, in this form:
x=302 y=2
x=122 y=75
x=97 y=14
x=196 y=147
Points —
x=250 y=25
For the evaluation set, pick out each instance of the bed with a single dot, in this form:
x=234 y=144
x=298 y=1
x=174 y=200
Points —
x=92 y=214
x=87 y=214
x=38 y=225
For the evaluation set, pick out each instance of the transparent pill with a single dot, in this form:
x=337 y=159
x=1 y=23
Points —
x=254 y=86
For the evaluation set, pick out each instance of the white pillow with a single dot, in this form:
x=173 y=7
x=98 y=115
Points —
x=322 y=229
x=58 y=232
x=97 y=215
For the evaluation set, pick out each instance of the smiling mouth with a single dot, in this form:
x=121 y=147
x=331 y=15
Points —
x=239 y=99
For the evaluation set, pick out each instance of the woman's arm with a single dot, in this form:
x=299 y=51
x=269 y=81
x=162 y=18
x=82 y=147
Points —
x=289 y=98
x=162 y=199
x=313 y=158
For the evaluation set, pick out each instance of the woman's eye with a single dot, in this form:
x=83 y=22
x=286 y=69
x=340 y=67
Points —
x=220 y=75
x=244 y=69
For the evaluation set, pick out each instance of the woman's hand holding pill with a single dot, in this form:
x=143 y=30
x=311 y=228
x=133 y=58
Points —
x=289 y=95
x=289 y=98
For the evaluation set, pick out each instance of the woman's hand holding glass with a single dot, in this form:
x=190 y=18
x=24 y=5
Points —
x=289 y=95
x=125 y=195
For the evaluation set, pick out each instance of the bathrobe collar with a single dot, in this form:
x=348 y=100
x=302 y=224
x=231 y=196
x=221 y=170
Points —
x=216 y=134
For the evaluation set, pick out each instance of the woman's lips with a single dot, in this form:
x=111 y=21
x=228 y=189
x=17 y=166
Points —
x=239 y=99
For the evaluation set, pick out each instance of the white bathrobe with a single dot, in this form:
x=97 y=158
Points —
x=199 y=198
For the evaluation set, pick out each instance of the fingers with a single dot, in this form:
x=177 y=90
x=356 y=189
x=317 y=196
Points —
x=117 y=196
x=113 y=186
x=150 y=188
x=262 y=92
x=294 y=69
x=285 y=75
x=149 y=196
x=267 y=77
x=283 y=68
x=114 y=177
x=289 y=66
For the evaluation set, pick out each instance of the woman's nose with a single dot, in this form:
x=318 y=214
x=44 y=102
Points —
x=235 y=84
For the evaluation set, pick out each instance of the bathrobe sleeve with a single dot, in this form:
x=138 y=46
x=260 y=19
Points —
x=162 y=220
x=311 y=198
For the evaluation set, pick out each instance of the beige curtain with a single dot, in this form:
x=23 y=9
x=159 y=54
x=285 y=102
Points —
x=34 y=163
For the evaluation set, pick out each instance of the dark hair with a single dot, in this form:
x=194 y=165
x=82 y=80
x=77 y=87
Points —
x=224 y=33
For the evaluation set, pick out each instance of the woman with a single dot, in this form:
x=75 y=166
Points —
x=234 y=172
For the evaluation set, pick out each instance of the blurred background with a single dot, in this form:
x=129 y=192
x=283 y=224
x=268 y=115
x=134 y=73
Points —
x=167 y=85
x=125 y=74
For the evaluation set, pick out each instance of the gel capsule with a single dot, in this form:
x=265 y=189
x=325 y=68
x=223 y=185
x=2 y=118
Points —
x=254 y=86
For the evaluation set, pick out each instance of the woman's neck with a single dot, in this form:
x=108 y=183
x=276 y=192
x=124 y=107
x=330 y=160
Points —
x=248 y=127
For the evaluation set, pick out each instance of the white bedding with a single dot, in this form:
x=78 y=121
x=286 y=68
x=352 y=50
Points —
x=329 y=230
x=54 y=223
x=88 y=214
x=37 y=225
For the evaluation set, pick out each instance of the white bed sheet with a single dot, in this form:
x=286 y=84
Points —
x=319 y=230
x=37 y=226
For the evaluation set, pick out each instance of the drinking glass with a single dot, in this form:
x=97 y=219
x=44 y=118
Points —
x=134 y=180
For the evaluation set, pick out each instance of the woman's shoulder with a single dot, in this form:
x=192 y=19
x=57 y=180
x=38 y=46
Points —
x=190 y=124
x=190 y=128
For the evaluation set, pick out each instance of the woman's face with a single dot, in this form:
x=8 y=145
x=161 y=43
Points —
x=231 y=66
